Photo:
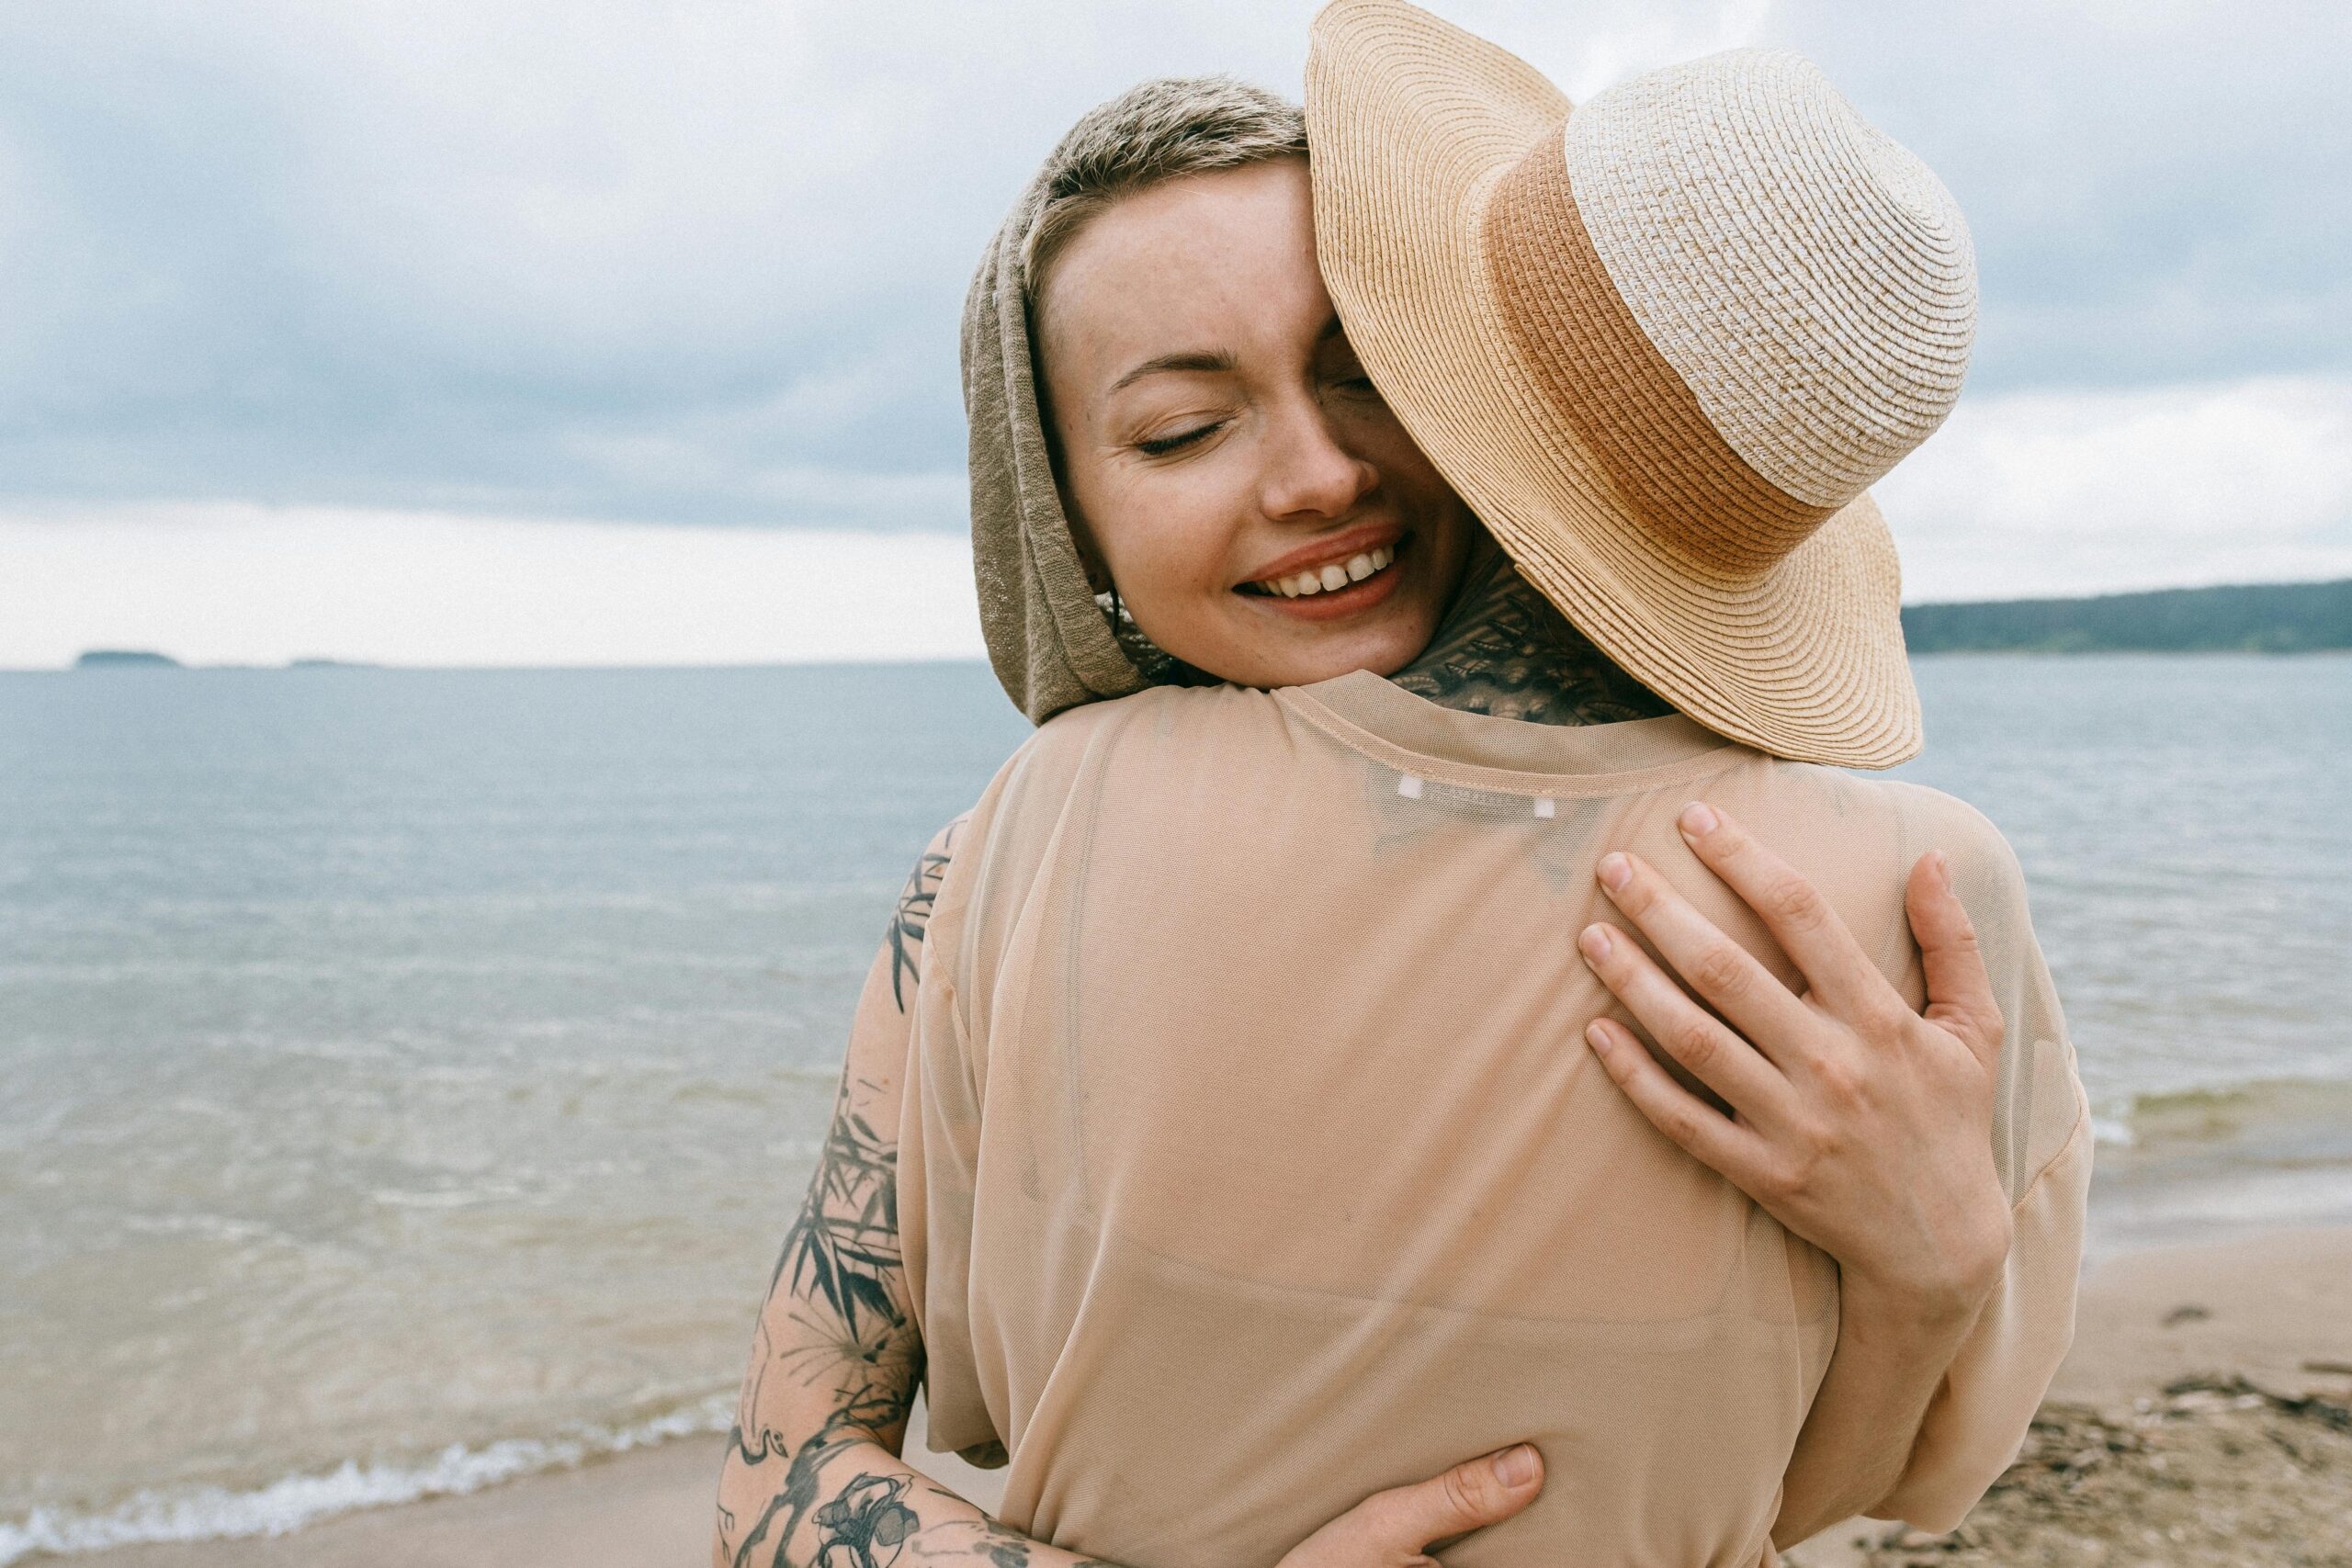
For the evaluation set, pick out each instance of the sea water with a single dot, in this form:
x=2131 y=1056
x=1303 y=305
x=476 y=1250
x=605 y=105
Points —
x=405 y=1078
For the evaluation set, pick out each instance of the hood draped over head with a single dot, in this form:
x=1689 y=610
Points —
x=1049 y=641
x=1054 y=644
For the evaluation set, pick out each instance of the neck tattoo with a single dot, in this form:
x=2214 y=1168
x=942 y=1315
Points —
x=1504 y=651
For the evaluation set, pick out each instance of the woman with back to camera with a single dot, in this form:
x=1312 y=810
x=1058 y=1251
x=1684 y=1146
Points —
x=1249 y=1159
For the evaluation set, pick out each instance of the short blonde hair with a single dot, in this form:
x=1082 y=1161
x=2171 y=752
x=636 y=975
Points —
x=1156 y=130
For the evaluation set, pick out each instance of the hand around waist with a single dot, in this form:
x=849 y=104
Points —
x=1397 y=1529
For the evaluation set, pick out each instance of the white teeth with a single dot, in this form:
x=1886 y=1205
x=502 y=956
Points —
x=1322 y=579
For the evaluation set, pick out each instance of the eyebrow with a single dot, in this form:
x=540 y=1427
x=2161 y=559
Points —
x=1217 y=362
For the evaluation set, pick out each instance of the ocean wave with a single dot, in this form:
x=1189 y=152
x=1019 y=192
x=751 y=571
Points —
x=213 y=1513
x=2223 y=1113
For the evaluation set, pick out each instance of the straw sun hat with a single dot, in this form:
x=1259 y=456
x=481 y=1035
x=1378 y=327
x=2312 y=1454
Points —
x=1661 y=345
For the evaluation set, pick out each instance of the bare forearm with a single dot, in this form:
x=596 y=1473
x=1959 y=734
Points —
x=1893 y=1351
x=812 y=1473
x=864 y=1506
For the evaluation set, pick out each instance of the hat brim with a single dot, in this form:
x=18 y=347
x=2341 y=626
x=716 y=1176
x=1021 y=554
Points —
x=1411 y=123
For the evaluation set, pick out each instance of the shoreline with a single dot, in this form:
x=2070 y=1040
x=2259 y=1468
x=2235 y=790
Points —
x=2240 y=1330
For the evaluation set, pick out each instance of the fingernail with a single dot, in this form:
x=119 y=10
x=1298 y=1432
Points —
x=1595 y=942
x=1943 y=868
x=1615 y=872
x=1515 y=1467
x=1596 y=1036
x=1698 y=819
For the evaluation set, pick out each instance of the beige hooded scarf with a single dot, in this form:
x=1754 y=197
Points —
x=1051 y=644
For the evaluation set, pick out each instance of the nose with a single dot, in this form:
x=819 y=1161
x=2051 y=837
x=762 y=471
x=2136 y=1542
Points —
x=1310 y=475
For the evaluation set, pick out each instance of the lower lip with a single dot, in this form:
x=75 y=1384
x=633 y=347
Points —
x=1335 y=604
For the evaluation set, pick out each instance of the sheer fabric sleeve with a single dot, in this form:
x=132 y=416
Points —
x=939 y=1153
x=2041 y=1133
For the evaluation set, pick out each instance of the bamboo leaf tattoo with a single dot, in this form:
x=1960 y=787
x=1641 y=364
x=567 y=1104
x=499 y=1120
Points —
x=912 y=917
x=837 y=1356
x=843 y=1248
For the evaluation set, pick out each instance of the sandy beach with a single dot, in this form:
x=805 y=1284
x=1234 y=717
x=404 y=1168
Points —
x=2204 y=1417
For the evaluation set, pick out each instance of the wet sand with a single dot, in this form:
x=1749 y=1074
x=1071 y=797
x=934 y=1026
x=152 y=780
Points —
x=2204 y=1417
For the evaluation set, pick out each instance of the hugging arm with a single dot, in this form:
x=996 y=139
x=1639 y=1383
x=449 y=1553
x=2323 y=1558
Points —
x=1865 y=1128
x=812 y=1473
x=812 y=1476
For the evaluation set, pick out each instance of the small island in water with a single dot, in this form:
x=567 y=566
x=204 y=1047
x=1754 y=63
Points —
x=2272 y=617
x=147 y=659
x=2269 y=618
x=126 y=658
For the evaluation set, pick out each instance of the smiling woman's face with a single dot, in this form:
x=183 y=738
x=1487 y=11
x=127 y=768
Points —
x=1225 y=461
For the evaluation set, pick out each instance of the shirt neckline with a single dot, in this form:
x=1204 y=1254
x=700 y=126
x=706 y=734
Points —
x=1373 y=715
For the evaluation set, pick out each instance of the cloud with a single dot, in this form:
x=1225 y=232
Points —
x=514 y=259
x=2156 y=186
x=2047 y=493
x=241 y=584
x=2025 y=493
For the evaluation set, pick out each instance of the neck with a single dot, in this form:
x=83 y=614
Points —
x=1503 y=649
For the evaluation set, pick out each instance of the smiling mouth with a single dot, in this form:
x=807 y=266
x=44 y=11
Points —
x=1328 y=577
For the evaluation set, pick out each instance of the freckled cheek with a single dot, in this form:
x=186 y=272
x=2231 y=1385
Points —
x=1173 y=572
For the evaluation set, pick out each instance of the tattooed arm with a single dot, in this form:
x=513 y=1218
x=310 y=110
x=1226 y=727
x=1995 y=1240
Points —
x=811 y=1473
x=812 y=1477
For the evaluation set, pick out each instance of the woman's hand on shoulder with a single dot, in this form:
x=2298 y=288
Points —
x=1860 y=1124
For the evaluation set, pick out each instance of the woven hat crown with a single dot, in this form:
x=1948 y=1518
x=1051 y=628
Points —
x=1661 y=344
x=1731 y=234
x=1810 y=279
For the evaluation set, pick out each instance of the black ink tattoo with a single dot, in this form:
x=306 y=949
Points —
x=844 y=1249
x=912 y=917
x=1504 y=649
x=866 y=1525
x=837 y=1296
x=873 y=1407
x=1000 y=1544
x=838 y=1333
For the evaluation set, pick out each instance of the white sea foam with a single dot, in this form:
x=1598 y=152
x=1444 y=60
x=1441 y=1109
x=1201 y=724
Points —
x=212 y=1513
x=2115 y=1132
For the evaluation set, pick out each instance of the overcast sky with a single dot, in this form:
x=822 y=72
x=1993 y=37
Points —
x=518 y=330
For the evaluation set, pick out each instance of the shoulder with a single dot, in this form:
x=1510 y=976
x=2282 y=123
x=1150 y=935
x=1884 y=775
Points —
x=1986 y=873
x=1153 y=708
x=1978 y=852
x=1196 y=722
x=1865 y=808
x=930 y=867
x=918 y=898
x=943 y=844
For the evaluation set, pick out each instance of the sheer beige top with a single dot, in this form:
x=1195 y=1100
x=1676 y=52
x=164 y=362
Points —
x=1254 y=1161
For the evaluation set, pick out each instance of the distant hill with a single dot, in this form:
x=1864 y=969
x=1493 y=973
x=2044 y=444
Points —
x=125 y=658
x=2274 y=617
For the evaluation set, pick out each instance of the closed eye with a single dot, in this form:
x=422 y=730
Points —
x=1160 y=445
